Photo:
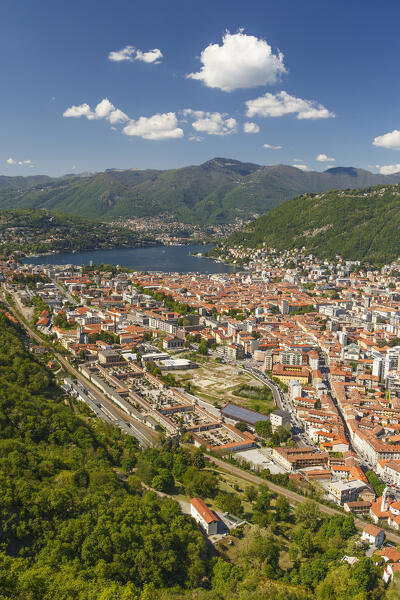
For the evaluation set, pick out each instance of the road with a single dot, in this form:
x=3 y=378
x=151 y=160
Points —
x=261 y=377
x=281 y=402
x=146 y=436
x=290 y=495
x=65 y=293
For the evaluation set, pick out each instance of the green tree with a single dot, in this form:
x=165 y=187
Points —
x=251 y=493
x=283 y=510
x=225 y=576
x=230 y=503
x=163 y=481
x=263 y=429
x=200 y=483
x=241 y=426
x=307 y=514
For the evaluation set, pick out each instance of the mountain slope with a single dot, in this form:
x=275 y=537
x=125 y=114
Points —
x=358 y=225
x=131 y=193
x=270 y=186
x=22 y=183
x=27 y=231
x=217 y=191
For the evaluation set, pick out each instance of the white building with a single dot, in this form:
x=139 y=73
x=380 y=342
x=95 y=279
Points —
x=373 y=535
x=205 y=517
x=294 y=389
x=279 y=418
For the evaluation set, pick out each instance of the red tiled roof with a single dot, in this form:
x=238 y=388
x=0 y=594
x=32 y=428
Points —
x=203 y=510
x=372 y=530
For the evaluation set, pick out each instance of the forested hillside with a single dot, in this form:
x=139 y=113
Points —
x=357 y=225
x=217 y=191
x=22 y=183
x=34 y=231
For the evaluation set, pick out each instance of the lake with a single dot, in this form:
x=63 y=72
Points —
x=155 y=258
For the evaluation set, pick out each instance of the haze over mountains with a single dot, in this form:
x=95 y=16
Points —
x=217 y=191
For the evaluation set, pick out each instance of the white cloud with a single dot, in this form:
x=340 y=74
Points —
x=117 y=116
x=282 y=103
x=301 y=167
x=388 y=169
x=130 y=53
x=126 y=53
x=83 y=110
x=324 y=158
x=158 y=127
x=195 y=138
x=20 y=163
x=103 y=109
x=212 y=123
x=270 y=147
x=251 y=127
x=242 y=61
x=151 y=56
x=388 y=140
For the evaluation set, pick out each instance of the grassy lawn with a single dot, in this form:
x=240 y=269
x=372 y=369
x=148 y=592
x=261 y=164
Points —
x=255 y=397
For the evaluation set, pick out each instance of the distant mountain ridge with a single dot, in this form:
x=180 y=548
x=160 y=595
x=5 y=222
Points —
x=217 y=191
x=355 y=224
x=22 y=183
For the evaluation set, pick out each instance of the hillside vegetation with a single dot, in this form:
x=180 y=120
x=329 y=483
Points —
x=357 y=225
x=217 y=191
x=33 y=231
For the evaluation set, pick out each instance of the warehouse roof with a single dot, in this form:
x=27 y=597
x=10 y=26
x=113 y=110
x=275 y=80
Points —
x=233 y=411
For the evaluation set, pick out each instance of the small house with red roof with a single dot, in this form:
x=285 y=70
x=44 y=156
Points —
x=373 y=535
x=204 y=516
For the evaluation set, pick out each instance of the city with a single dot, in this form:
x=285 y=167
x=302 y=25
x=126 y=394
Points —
x=324 y=337
x=199 y=300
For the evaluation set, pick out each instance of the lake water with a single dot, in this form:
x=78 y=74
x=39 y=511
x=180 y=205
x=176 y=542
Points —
x=159 y=258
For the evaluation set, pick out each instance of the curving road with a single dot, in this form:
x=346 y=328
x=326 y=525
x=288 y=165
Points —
x=263 y=379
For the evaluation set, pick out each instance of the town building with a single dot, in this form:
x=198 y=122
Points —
x=373 y=535
x=279 y=418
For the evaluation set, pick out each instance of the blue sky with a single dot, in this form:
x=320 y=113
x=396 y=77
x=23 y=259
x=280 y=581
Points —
x=310 y=79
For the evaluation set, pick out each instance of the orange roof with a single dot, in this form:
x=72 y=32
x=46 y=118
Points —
x=372 y=530
x=206 y=514
x=376 y=510
x=390 y=554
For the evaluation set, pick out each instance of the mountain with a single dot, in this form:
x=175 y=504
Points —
x=217 y=191
x=22 y=183
x=356 y=224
